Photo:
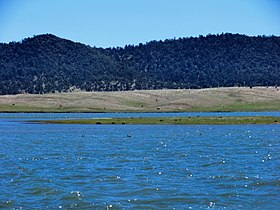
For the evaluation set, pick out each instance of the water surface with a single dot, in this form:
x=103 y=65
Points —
x=137 y=166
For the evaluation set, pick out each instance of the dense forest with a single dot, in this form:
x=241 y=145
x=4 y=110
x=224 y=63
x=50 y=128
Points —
x=46 y=63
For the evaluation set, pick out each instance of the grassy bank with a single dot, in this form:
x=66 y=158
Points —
x=172 y=121
x=202 y=100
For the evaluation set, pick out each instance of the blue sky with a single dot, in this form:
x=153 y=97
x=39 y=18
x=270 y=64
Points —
x=111 y=23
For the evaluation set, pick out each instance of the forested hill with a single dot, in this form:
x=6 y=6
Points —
x=47 y=63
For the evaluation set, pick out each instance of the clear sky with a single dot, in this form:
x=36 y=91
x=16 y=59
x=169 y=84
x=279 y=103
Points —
x=111 y=23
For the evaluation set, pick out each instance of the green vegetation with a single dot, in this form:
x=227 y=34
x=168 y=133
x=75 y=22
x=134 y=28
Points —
x=48 y=64
x=172 y=121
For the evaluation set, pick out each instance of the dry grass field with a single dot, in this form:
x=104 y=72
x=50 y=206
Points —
x=212 y=99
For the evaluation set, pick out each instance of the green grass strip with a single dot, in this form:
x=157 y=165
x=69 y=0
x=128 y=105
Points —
x=172 y=120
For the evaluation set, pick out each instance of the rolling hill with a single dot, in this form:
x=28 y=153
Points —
x=48 y=64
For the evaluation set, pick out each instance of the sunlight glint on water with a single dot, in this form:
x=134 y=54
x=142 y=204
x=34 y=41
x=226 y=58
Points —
x=137 y=166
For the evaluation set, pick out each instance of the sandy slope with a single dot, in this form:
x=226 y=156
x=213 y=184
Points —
x=212 y=99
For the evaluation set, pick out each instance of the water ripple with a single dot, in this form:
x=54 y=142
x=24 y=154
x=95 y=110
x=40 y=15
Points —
x=158 y=167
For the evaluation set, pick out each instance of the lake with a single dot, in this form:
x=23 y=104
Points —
x=47 y=166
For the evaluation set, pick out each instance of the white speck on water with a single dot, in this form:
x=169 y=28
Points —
x=211 y=204
x=78 y=193
x=178 y=165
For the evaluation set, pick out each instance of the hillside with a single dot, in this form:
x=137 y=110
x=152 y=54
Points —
x=212 y=99
x=49 y=64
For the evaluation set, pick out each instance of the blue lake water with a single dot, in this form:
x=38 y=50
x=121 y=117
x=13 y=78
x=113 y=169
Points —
x=138 y=166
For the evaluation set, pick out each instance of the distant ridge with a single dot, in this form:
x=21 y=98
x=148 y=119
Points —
x=47 y=63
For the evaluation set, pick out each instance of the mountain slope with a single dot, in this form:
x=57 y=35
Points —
x=47 y=63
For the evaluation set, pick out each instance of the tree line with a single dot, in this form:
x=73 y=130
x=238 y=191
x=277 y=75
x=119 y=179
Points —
x=46 y=63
